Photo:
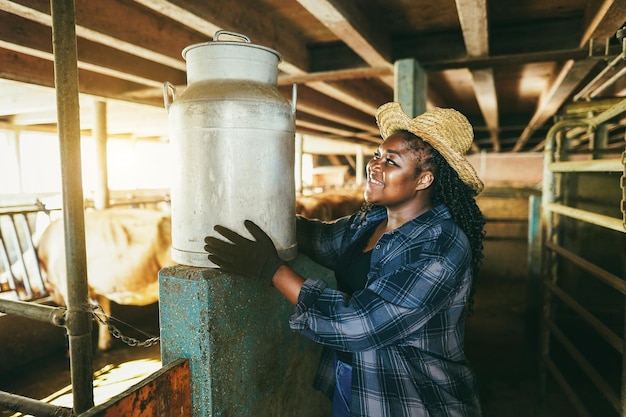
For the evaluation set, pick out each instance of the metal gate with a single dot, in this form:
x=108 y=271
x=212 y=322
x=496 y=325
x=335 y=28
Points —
x=584 y=290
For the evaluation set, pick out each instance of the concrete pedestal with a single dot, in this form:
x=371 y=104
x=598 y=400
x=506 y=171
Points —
x=245 y=361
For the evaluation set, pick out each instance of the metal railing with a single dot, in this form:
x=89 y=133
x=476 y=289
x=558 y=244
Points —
x=558 y=172
x=20 y=275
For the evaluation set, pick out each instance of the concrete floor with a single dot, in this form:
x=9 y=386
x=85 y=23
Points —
x=503 y=349
x=498 y=340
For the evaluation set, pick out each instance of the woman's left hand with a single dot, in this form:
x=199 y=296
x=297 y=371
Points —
x=253 y=258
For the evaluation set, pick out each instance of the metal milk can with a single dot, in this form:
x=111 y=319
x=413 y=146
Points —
x=232 y=135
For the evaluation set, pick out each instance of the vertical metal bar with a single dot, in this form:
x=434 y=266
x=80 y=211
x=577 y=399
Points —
x=20 y=257
x=101 y=196
x=298 y=162
x=534 y=263
x=622 y=392
x=360 y=165
x=547 y=263
x=33 y=251
x=6 y=261
x=599 y=141
x=66 y=82
x=546 y=225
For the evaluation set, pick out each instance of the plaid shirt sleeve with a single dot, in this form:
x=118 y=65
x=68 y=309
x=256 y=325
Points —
x=410 y=282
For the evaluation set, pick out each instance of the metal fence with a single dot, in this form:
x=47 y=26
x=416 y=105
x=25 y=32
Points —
x=565 y=306
x=20 y=275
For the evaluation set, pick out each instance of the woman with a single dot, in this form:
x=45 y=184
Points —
x=393 y=329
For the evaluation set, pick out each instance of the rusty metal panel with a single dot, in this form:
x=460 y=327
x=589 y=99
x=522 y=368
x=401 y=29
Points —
x=166 y=393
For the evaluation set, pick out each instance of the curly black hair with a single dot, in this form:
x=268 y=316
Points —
x=450 y=190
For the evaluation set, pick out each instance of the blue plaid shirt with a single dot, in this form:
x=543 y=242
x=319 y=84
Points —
x=406 y=327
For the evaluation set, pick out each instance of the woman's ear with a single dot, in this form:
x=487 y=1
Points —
x=424 y=180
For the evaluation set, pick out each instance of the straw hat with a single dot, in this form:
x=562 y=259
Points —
x=446 y=130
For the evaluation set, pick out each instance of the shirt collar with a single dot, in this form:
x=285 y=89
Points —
x=437 y=213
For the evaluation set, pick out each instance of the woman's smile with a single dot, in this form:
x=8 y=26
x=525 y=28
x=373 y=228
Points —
x=374 y=181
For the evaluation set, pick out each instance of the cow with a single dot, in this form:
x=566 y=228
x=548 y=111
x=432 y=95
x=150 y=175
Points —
x=330 y=204
x=125 y=249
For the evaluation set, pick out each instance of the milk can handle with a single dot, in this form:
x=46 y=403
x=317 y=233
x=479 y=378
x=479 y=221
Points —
x=167 y=87
x=225 y=32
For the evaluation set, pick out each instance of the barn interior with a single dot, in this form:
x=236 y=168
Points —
x=542 y=83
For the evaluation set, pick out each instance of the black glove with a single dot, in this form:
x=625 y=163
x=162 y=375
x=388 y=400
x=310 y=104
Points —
x=257 y=259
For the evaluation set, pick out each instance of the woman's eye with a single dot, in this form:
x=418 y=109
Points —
x=390 y=162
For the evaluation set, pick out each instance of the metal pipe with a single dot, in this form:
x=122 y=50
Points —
x=607 y=334
x=567 y=388
x=622 y=411
x=32 y=407
x=589 y=86
x=101 y=199
x=603 y=275
x=20 y=256
x=608 y=83
x=66 y=82
x=583 y=93
x=599 y=382
x=53 y=315
x=548 y=198
x=4 y=259
x=590 y=217
x=595 y=165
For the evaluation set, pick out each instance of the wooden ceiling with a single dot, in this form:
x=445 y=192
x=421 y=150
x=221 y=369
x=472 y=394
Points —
x=509 y=66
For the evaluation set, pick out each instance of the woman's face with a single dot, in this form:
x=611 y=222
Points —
x=391 y=179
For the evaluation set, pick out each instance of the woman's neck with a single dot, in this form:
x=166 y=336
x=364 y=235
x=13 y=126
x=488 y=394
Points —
x=396 y=217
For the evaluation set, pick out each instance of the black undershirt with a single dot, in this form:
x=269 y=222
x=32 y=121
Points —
x=351 y=274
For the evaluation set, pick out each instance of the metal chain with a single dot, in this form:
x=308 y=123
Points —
x=102 y=318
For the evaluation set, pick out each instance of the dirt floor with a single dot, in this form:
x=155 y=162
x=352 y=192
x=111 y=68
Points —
x=500 y=344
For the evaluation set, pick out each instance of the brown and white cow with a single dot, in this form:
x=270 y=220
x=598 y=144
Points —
x=125 y=249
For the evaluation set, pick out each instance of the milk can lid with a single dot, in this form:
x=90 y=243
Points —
x=216 y=41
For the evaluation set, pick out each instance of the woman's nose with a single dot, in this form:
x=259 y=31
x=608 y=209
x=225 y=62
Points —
x=373 y=165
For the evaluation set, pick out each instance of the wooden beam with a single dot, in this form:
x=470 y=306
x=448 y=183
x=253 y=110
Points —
x=473 y=19
x=296 y=59
x=313 y=102
x=207 y=17
x=350 y=25
x=32 y=38
x=485 y=91
x=602 y=19
x=93 y=22
x=324 y=129
x=337 y=75
x=566 y=82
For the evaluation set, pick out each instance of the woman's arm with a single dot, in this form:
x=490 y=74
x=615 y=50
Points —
x=288 y=282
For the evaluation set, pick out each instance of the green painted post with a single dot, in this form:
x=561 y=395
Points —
x=244 y=359
x=410 y=86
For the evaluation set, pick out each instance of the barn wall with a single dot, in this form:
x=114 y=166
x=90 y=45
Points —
x=521 y=170
x=244 y=358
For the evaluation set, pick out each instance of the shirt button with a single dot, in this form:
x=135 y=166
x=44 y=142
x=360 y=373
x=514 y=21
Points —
x=377 y=246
